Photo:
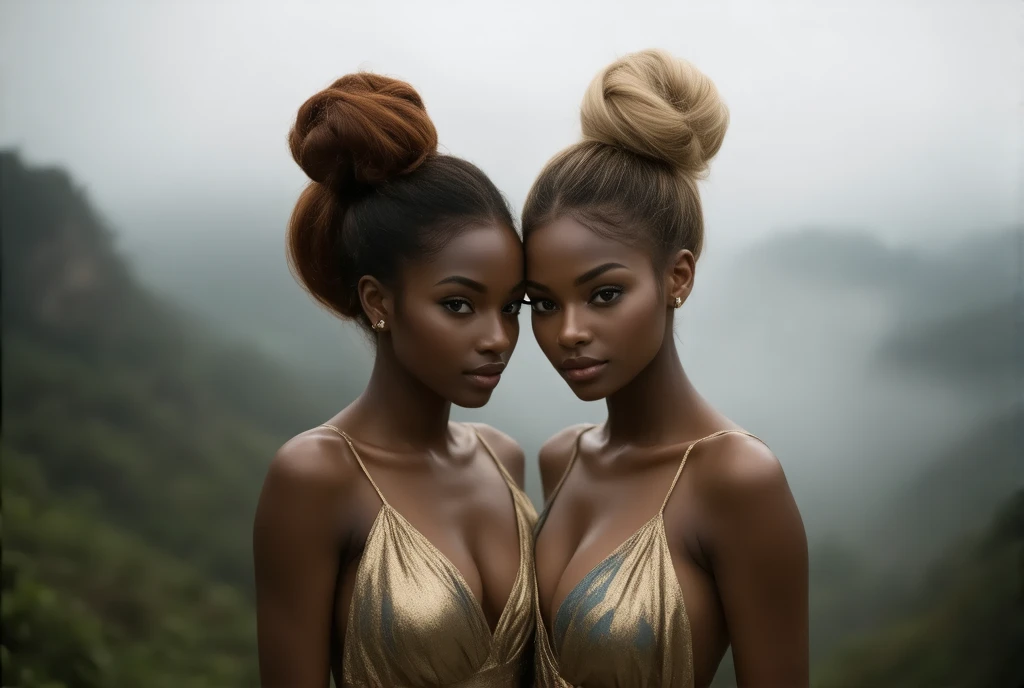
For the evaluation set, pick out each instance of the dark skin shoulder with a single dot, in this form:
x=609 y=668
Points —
x=304 y=527
x=741 y=526
x=736 y=541
x=554 y=456
x=315 y=514
x=506 y=449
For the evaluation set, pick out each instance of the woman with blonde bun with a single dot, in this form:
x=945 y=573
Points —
x=647 y=573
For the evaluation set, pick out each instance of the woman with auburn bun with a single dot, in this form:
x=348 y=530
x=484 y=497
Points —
x=646 y=572
x=393 y=546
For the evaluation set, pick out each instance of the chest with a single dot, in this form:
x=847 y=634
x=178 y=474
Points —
x=620 y=587
x=465 y=512
x=444 y=536
x=595 y=511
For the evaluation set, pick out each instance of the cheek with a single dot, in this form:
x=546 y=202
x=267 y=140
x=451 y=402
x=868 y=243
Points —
x=638 y=326
x=642 y=317
x=545 y=331
x=512 y=332
x=426 y=340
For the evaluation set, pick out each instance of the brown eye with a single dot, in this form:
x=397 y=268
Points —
x=512 y=308
x=459 y=306
x=606 y=295
x=542 y=305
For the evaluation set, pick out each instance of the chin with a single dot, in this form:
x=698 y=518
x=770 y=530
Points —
x=588 y=395
x=472 y=399
x=589 y=392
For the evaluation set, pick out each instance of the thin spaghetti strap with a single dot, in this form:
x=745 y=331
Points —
x=497 y=461
x=348 y=441
x=568 y=466
x=679 y=471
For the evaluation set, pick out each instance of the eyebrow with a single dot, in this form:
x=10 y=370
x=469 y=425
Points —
x=585 y=277
x=465 y=282
x=599 y=270
x=536 y=286
x=476 y=286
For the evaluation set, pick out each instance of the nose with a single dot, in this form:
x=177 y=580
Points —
x=573 y=332
x=495 y=338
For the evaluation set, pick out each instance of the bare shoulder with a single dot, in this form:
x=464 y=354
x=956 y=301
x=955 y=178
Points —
x=743 y=490
x=314 y=463
x=302 y=507
x=752 y=534
x=735 y=465
x=554 y=455
x=506 y=449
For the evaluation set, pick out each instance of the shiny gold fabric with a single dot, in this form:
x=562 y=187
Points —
x=624 y=624
x=413 y=620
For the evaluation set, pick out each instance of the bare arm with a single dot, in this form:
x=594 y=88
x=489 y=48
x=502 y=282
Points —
x=758 y=553
x=296 y=548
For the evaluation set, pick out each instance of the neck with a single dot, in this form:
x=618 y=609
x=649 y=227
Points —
x=655 y=406
x=396 y=410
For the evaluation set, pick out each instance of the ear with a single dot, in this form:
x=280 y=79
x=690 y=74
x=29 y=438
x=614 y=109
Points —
x=679 y=277
x=376 y=300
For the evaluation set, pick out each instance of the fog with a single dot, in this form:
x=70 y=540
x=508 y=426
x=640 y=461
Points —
x=899 y=117
x=897 y=121
x=858 y=305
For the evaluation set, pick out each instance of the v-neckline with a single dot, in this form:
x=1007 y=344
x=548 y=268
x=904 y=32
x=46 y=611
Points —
x=549 y=624
x=658 y=519
x=431 y=547
x=457 y=573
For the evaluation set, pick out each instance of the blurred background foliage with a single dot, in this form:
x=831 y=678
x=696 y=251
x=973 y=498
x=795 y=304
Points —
x=138 y=422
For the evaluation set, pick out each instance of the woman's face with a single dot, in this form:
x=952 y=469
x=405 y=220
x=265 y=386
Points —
x=599 y=310
x=457 y=320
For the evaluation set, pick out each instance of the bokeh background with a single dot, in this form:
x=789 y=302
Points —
x=859 y=306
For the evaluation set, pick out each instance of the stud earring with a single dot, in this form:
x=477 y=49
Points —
x=378 y=326
x=678 y=302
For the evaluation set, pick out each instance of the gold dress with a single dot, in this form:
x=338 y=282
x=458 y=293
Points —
x=413 y=620
x=624 y=624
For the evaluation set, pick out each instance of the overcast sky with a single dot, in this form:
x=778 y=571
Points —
x=900 y=117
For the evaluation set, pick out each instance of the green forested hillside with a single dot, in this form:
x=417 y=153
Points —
x=929 y=589
x=962 y=626
x=134 y=445
x=956 y=495
x=135 y=439
x=934 y=594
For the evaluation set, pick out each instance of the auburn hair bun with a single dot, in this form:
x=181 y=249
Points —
x=361 y=131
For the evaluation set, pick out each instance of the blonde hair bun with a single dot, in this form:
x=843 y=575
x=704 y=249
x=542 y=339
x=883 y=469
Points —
x=657 y=106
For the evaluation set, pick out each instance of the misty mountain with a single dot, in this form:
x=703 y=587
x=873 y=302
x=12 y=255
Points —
x=977 y=350
x=961 y=626
x=955 y=330
x=916 y=358
x=815 y=339
x=925 y=281
x=136 y=433
x=227 y=265
x=879 y=374
x=954 y=496
x=135 y=442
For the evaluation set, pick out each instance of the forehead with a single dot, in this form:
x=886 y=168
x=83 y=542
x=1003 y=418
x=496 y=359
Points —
x=489 y=253
x=571 y=247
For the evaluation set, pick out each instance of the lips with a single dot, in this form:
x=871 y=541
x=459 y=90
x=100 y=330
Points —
x=489 y=369
x=582 y=368
x=486 y=376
